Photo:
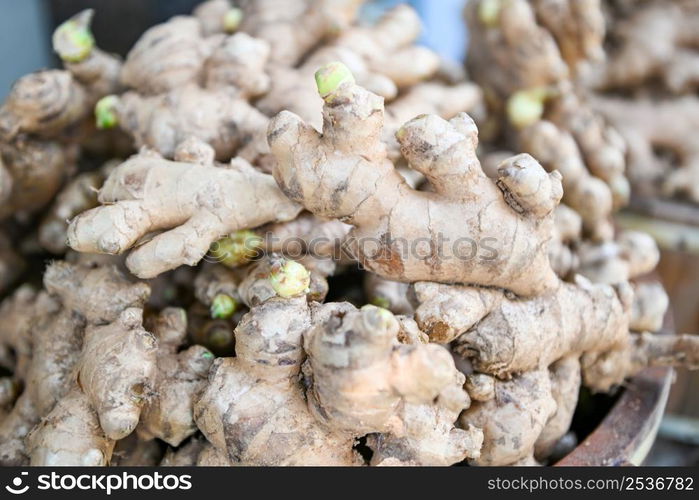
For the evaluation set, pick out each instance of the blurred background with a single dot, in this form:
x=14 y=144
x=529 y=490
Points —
x=26 y=26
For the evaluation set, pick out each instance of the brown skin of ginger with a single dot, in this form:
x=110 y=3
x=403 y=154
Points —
x=163 y=121
x=504 y=337
x=46 y=103
x=293 y=27
x=135 y=452
x=513 y=419
x=11 y=264
x=35 y=170
x=525 y=417
x=96 y=70
x=105 y=392
x=185 y=84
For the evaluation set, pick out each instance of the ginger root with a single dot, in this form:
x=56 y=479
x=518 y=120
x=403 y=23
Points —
x=195 y=205
x=663 y=151
x=383 y=57
x=78 y=195
x=656 y=40
x=95 y=69
x=367 y=192
x=85 y=310
x=47 y=114
x=503 y=336
x=164 y=121
x=526 y=55
x=346 y=348
x=525 y=417
x=111 y=374
x=180 y=377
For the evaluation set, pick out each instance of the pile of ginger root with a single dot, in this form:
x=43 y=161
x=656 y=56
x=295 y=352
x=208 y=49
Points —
x=270 y=236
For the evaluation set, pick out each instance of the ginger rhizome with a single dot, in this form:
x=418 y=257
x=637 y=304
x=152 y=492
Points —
x=78 y=195
x=491 y=285
x=193 y=204
x=179 y=379
x=647 y=88
x=345 y=173
x=85 y=313
x=652 y=40
x=405 y=389
x=528 y=57
x=382 y=57
x=185 y=84
x=663 y=152
x=47 y=116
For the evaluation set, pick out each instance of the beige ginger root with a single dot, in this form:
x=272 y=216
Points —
x=345 y=347
x=78 y=299
x=663 y=153
x=383 y=57
x=520 y=65
x=167 y=56
x=565 y=385
x=254 y=412
x=577 y=26
x=293 y=27
x=134 y=452
x=503 y=336
x=54 y=343
x=345 y=173
x=46 y=109
x=656 y=40
x=32 y=172
x=11 y=264
x=45 y=103
x=15 y=331
x=180 y=377
x=589 y=196
x=53 y=104
x=78 y=195
x=194 y=204
x=92 y=67
x=525 y=417
x=185 y=84
x=112 y=372
x=630 y=255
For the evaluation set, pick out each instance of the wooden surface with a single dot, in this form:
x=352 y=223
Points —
x=626 y=434
x=675 y=226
